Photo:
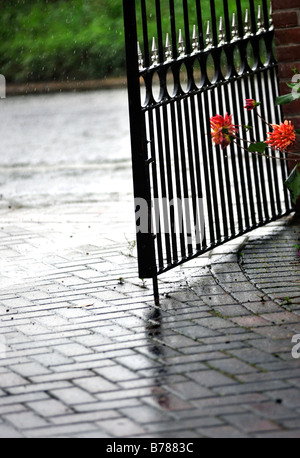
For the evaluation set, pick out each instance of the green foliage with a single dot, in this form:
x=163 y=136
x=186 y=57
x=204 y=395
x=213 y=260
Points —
x=258 y=147
x=75 y=39
x=293 y=183
x=294 y=95
x=285 y=99
x=46 y=40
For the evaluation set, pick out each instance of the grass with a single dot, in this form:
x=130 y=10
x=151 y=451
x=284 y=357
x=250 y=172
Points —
x=54 y=40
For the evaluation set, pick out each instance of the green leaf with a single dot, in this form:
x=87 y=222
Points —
x=297 y=131
x=284 y=99
x=291 y=85
x=293 y=183
x=258 y=147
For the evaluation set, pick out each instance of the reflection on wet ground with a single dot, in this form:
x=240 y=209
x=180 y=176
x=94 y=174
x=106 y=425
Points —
x=156 y=348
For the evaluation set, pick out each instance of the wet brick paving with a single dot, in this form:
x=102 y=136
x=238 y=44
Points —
x=85 y=353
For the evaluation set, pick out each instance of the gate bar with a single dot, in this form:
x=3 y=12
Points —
x=140 y=167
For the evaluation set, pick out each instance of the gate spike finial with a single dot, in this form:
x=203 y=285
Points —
x=247 y=24
x=168 y=53
x=221 y=32
x=208 y=36
x=195 y=40
x=260 y=26
x=140 y=57
x=154 y=57
x=235 y=34
x=181 y=48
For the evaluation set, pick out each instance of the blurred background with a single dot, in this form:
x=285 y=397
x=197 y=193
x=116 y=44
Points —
x=42 y=40
x=68 y=147
x=61 y=148
x=59 y=40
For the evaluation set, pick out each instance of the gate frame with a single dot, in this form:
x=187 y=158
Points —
x=140 y=161
x=141 y=176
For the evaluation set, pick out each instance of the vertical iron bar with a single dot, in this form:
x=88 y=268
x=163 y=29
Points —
x=240 y=18
x=170 y=182
x=200 y=24
x=141 y=177
x=187 y=27
x=266 y=14
x=227 y=21
x=190 y=160
x=253 y=17
x=155 y=189
x=278 y=119
x=184 y=170
x=177 y=175
x=214 y=22
x=163 y=183
x=156 y=291
x=229 y=56
x=199 y=193
x=220 y=183
x=270 y=77
x=212 y=173
x=253 y=160
x=173 y=29
x=226 y=188
x=261 y=162
x=273 y=184
x=145 y=33
x=242 y=82
x=244 y=174
x=159 y=32
x=204 y=152
x=234 y=168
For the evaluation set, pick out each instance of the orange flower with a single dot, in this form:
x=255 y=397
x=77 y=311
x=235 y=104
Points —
x=222 y=130
x=283 y=136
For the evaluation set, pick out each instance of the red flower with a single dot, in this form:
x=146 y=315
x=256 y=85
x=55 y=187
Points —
x=222 y=130
x=251 y=104
x=283 y=136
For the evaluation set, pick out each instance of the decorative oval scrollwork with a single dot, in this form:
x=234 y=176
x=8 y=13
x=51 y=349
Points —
x=170 y=82
x=184 y=78
x=156 y=87
x=197 y=73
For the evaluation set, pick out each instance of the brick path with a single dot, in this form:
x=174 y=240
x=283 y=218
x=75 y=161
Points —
x=84 y=352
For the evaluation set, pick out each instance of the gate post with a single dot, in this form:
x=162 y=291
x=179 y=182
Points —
x=286 y=19
x=141 y=177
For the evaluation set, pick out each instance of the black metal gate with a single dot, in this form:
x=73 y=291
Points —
x=186 y=62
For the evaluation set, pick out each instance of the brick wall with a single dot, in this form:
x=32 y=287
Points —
x=286 y=19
